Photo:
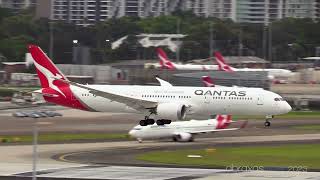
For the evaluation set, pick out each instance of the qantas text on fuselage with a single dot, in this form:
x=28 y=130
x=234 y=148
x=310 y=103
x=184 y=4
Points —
x=220 y=93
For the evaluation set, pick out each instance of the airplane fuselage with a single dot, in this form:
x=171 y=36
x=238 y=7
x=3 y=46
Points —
x=195 y=67
x=170 y=130
x=271 y=72
x=200 y=100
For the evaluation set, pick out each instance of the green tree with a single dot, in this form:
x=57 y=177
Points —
x=14 y=48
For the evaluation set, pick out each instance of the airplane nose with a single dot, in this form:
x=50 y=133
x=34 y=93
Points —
x=132 y=133
x=287 y=108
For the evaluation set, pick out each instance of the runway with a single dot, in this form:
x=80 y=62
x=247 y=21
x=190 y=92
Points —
x=76 y=121
x=115 y=160
x=17 y=159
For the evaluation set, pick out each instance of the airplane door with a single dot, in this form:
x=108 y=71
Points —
x=206 y=99
x=259 y=101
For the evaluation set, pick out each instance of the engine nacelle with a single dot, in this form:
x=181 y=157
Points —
x=184 y=137
x=171 y=111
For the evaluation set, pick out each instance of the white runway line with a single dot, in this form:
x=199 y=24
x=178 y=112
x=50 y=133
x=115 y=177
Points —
x=130 y=172
x=158 y=173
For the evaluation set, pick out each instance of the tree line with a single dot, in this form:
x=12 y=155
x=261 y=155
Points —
x=291 y=38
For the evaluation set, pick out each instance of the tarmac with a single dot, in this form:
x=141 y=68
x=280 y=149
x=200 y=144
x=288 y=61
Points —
x=115 y=160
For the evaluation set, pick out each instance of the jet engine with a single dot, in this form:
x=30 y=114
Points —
x=171 y=111
x=183 y=137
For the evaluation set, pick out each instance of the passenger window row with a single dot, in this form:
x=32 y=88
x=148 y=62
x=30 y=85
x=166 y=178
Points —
x=234 y=98
x=165 y=96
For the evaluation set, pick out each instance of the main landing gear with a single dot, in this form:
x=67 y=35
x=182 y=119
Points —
x=163 y=122
x=267 y=123
x=147 y=121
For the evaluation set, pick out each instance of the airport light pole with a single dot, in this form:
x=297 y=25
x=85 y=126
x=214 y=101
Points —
x=35 y=134
x=35 y=149
x=178 y=47
x=211 y=40
x=74 y=50
x=105 y=51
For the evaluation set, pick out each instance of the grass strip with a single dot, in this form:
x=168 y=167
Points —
x=306 y=156
x=307 y=127
x=61 y=137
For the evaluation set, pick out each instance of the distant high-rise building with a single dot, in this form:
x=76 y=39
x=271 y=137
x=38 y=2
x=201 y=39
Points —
x=85 y=12
x=17 y=4
x=264 y=11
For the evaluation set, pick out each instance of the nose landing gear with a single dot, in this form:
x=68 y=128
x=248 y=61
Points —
x=267 y=123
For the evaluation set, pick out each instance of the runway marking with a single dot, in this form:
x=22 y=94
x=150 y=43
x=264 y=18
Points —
x=44 y=123
x=63 y=157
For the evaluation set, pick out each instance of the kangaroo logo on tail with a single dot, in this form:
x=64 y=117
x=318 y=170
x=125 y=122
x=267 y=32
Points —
x=223 y=121
x=223 y=66
x=164 y=61
x=47 y=72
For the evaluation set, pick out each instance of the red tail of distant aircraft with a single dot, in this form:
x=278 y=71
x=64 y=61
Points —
x=165 y=63
x=207 y=81
x=223 y=66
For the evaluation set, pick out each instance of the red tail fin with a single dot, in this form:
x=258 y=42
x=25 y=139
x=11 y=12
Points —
x=223 y=66
x=48 y=74
x=223 y=121
x=46 y=70
x=207 y=81
x=164 y=61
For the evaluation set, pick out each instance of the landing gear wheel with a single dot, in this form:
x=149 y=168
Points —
x=191 y=139
x=175 y=139
x=143 y=123
x=166 y=121
x=267 y=124
x=160 y=122
x=146 y=122
x=150 y=121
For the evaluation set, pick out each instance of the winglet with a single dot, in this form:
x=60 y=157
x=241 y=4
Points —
x=163 y=82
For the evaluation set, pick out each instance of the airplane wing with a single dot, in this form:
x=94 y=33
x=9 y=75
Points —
x=164 y=83
x=243 y=125
x=213 y=130
x=135 y=103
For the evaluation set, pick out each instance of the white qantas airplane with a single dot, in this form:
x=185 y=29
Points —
x=183 y=130
x=163 y=103
x=165 y=63
x=272 y=73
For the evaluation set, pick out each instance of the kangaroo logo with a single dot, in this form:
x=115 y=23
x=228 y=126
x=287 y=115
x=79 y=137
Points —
x=164 y=62
x=50 y=77
x=223 y=121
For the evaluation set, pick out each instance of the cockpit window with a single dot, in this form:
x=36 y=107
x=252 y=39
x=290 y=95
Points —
x=279 y=99
x=137 y=129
